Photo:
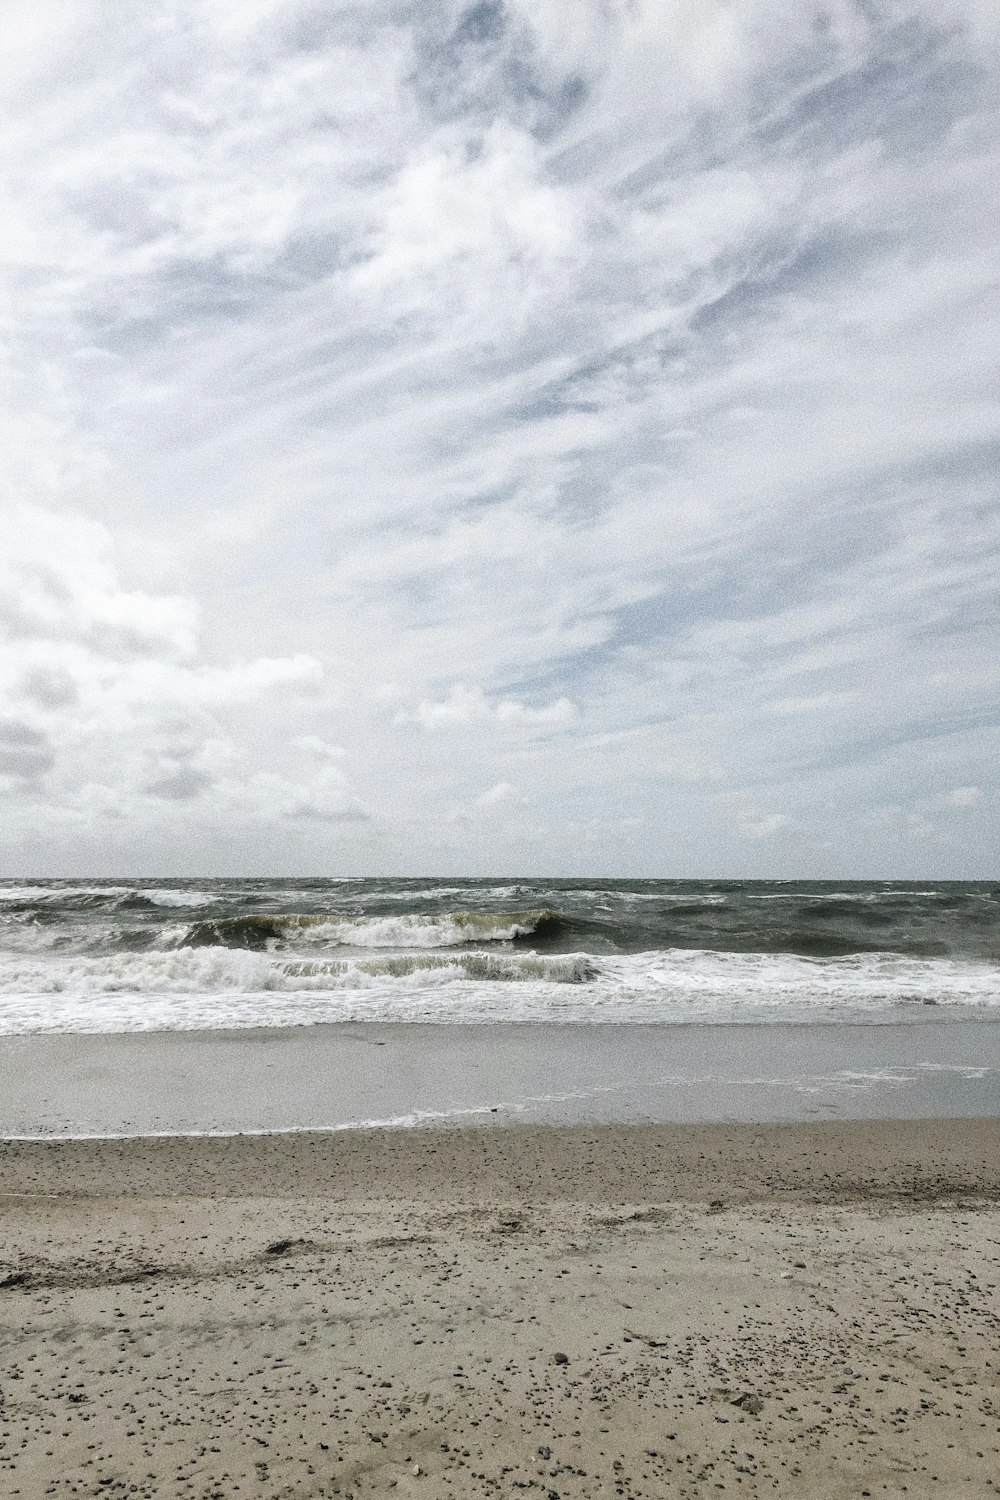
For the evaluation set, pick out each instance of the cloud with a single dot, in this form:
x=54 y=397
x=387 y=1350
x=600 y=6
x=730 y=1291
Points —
x=596 y=402
x=323 y=797
x=817 y=703
x=120 y=715
x=48 y=687
x=762 y=825
x=57 y=583
x=465 y=707
x=313 y=745
x=181 y=783
x=482 y=203
x=498 y=794
x=24 y=751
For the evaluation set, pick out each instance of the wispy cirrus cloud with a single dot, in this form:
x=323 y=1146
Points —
x=599 y=403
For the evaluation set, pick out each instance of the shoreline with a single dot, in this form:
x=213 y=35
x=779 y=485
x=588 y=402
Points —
x=458 y=1123
x=403 y=1075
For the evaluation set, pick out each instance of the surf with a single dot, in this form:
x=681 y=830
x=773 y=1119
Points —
x=263 y=930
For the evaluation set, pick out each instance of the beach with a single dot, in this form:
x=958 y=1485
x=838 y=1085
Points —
x=499 y=664
x=578 y=1310
x=357 y=1188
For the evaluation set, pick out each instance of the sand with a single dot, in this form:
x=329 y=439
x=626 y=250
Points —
x=784 y=1310
x=320 y=1077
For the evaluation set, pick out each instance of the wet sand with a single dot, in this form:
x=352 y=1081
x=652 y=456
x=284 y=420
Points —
x=587 y=1310
x=332 y=1076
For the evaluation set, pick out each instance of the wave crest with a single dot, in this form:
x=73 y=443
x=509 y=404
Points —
x=220 y=970
x=452 y=929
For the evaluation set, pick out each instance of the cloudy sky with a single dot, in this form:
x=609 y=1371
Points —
x=544 y=436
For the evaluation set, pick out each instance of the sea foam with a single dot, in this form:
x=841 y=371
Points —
x=216 y=987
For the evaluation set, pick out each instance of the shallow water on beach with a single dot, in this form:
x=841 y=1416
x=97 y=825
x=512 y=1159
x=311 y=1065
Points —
x=117 y=956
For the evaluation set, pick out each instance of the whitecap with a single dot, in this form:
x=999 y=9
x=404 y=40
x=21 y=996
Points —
x=222 y=988
x=410 y=930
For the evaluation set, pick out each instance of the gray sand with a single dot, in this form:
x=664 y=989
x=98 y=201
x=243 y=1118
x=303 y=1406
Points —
x=326 y=1077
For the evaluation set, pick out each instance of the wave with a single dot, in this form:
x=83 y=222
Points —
x=865 y=897
x=211 y=970
x=739 y=980
x=809 y=920
x=446 y=930
x=168 y=898
x=221 y=988
x=80 y=897
x=89 y=898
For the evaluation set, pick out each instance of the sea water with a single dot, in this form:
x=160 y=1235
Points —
x=92 y=956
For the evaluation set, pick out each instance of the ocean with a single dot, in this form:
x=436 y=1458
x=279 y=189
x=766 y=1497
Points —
x=94 y=956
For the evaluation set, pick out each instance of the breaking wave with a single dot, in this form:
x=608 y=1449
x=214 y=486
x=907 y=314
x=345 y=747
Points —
x=63 y=900
x=446 y=930
x=198 y=988
x=190 y=954
x=205 y=970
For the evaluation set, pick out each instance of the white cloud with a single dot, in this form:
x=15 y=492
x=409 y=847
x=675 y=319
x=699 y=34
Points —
x=482 y=204
x=746 y=815
x=57 y=583
x=762 y=825
x=312 y=744
x=323 y=797
x=815 y=703
x=614 y=382
x=465 y=707
x=107 y=708
x=499 y=794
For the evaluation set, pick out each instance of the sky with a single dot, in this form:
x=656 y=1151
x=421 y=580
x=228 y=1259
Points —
x=527 y=436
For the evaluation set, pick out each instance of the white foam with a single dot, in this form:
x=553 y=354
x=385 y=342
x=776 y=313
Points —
x=424 y=893
x=54 y=894
x=867 y=897
x=177 y=897
x=420 y=931
x=59 y=895
x=873 y=978
x=411 y=930
x=221 y=988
